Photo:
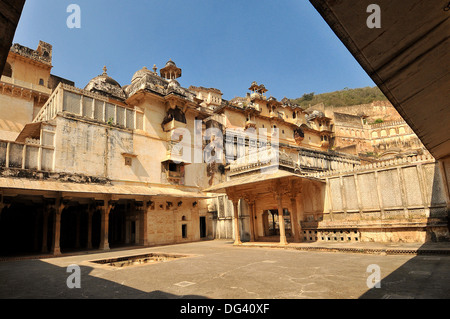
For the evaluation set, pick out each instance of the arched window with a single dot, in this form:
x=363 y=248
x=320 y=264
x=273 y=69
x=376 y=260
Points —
x=7 y=71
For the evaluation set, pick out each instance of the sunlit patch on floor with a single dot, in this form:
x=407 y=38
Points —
x=128 y=261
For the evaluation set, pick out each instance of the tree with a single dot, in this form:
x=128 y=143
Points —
x=308 y=97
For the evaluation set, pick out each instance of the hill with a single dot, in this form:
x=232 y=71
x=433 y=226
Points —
x=346 y=97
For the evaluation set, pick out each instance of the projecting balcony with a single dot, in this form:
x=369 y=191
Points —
x=172 y=125
x=257 y=96
x=325 y=143
x=175 y=152
x=325 y=128
x=250 y=124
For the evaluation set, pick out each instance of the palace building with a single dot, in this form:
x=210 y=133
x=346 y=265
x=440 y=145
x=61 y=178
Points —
x=152 y=162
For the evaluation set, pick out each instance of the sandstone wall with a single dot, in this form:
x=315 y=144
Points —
x=396 y=201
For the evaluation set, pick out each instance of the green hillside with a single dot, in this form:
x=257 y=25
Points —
x=346 y=97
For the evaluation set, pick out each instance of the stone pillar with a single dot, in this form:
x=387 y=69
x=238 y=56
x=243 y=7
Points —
x=45 y=213
x=104 y=231
x=37 y=214
x=255 y=224
x=237 y=235
x=283 y=240
x=77 y=239
x=59 y=207
x=294 y=219
x=250 y=212
x=144 y=224
x=91 y=210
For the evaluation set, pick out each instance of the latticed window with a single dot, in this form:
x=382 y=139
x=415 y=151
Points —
x=98 y=110
x=72 y=103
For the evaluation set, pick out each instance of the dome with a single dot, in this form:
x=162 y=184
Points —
x=170 y=63
x=170 y=71
x=141 y=73
x=107 y=86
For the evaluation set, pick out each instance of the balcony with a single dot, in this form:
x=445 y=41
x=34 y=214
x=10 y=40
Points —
x=172 y=125
x=90 y=106
x=175 y=152
x=250 y=124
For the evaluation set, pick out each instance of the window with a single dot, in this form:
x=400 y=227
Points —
x=41 y=82
x=128 y=161
x=184 y=231
x=173 y=167
x=7 y=71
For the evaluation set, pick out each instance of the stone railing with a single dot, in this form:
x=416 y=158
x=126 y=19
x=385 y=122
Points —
x=91 y=106
x=26 y=85
x=386 y=124
x=350 y=169
x=33 y=156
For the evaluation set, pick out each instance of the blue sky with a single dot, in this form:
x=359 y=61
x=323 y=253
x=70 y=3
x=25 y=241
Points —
x=225 y=44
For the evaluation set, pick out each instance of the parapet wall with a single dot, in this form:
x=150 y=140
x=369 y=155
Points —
x=396 y=200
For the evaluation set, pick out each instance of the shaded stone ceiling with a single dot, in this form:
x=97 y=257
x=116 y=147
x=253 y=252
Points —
x=10 y=11
x=408 y=58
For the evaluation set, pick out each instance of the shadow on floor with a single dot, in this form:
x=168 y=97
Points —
x=37 y=279
x=427 y=275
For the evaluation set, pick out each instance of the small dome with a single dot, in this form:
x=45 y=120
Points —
x=107 y=86
x=173 y=84
x=170 y=71
x=141 y=73
x=170 y=63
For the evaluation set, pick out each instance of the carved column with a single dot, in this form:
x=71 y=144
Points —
x=104 y=231
x=1 y=207
x=59 y=207
x=237 y=235
x=144 y=223
x=45 y=214
x=251 y=211
x=279 y=198
x=294 y=223
x=254 y=225
x=235 y=199
x=78 y=222
x=295 y=191
x=91 y=210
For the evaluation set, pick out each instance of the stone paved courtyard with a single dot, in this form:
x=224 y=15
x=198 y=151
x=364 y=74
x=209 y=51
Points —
x=219 y=270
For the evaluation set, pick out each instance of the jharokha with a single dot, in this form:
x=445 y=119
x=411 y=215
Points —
x=111 y=165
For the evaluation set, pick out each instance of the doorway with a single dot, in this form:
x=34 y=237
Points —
x=271 y=222
x=202 y=227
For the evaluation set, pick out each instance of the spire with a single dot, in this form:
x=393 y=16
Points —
x=104 y=70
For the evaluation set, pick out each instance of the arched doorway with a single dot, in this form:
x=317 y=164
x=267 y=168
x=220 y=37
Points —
x=271 y=224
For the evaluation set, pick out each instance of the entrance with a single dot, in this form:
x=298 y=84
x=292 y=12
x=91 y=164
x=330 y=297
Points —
x=271 y=223
x=202 y=227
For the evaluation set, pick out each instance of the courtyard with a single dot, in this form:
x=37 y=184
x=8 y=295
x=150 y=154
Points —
x=218 y=270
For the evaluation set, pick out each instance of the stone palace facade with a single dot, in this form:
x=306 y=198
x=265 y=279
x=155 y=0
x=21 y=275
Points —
x=152 y=162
